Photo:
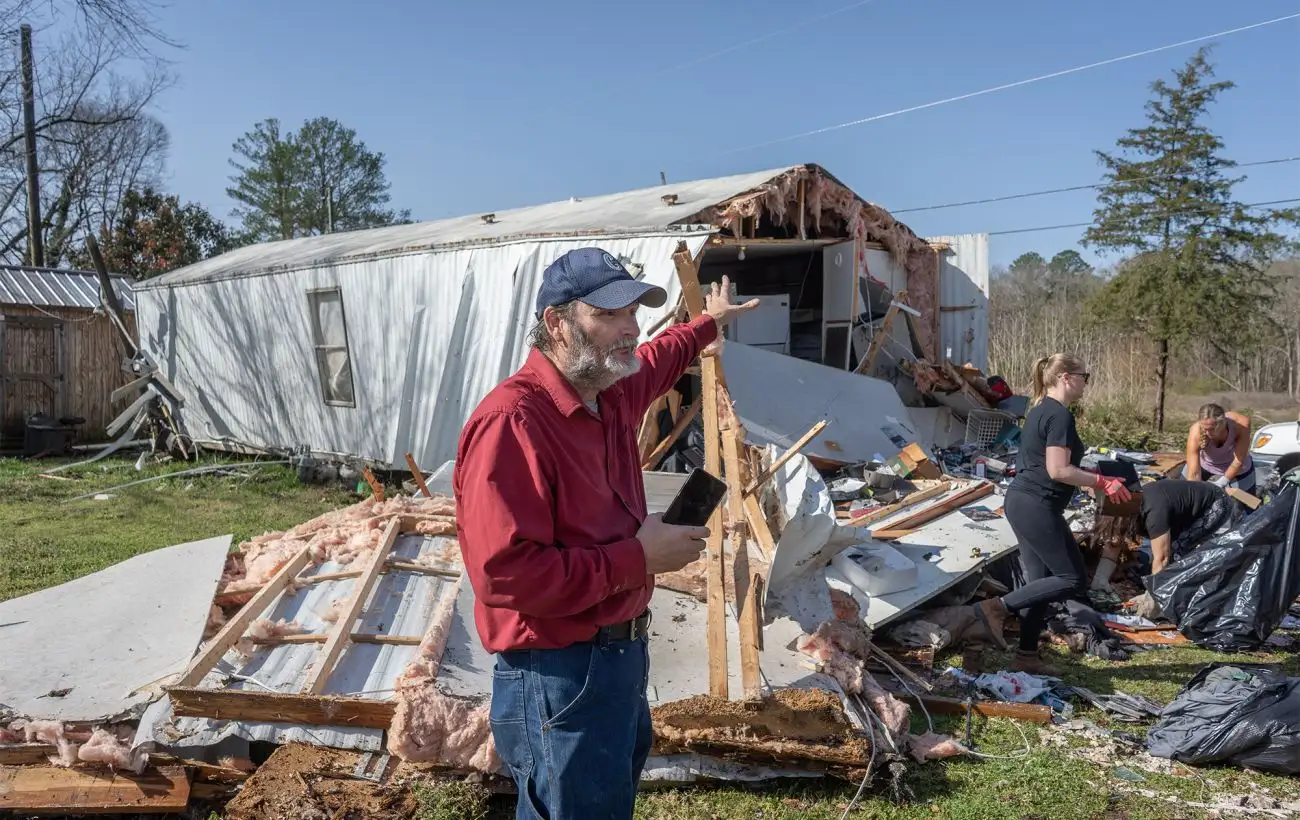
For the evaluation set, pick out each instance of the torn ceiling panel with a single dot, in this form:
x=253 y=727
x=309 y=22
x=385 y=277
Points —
x=95 y=648
x=779 y=398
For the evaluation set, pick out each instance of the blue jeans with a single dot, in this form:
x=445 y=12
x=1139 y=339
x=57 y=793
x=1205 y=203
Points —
x=572 y=725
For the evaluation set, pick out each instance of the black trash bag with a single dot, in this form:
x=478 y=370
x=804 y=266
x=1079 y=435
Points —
x=1234 y=590
x=1242 y=714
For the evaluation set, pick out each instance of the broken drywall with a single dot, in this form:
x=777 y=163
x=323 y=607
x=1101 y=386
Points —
x=95 y=649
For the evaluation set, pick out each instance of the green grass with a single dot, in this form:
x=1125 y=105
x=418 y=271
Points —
x=46 y=542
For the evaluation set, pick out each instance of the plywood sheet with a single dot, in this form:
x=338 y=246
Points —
x=93 y=791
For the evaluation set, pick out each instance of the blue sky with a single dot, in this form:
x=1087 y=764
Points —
x=496 y=105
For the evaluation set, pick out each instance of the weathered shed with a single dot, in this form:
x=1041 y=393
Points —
x=380 y=342
x=60 y=355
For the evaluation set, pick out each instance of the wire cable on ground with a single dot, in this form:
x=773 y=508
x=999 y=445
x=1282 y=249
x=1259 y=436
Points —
x=1017 y=84
x=871 y=761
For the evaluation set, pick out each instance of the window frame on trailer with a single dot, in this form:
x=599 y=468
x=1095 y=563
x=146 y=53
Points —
x=320 y=349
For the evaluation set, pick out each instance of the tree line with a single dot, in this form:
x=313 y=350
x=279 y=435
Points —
x=1202 y=283
x=101 y=153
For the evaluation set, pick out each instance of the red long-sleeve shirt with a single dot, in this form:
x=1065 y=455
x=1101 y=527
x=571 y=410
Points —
x=549 y=498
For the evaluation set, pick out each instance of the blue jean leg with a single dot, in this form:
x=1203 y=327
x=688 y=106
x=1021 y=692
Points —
x=573 y=727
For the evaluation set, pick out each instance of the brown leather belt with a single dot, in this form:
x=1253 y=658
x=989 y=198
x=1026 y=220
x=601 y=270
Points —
x=639 y=627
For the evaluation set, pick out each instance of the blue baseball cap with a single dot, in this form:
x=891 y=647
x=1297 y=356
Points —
x=596 y=277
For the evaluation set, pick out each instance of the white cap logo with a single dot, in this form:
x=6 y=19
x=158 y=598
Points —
x=611 y=262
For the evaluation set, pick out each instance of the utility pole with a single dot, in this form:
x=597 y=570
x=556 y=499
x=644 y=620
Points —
x=35 y=240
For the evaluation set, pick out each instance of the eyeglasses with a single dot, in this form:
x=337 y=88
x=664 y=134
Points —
x=1084 y=376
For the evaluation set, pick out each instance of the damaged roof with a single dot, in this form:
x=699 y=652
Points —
x=49 y=287
x=671 y=207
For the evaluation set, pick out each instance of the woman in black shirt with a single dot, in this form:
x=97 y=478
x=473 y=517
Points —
x=1047 y=473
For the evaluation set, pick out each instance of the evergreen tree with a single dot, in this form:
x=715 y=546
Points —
x=1196 y=255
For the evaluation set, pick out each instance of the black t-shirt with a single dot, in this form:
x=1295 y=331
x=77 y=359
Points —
x=1171 y=505
x=1049 y=424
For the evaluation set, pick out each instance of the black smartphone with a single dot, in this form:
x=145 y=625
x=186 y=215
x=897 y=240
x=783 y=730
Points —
x=696 y=500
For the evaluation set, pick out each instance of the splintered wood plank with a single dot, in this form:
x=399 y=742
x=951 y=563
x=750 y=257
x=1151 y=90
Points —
x=878 y=341
x=961 y=499
x=786 y=456
x=418 y=474
x=20 y=754
x=688 y=276
x=48 y=789
x=275 y=707
x=679 y=427
x=751 y=680
x=236 y=626
x=342 y=628
x=889 y=509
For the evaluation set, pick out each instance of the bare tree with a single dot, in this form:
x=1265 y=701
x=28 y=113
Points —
x=95 y=139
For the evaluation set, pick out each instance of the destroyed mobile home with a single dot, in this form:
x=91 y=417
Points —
x=862 y=515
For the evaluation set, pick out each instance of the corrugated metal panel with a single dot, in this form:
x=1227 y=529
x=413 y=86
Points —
x=402 y=603
x=426 y=346
x=45 y=287
x=964 y=298
x=607 y=217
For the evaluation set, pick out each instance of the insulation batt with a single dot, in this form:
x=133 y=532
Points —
x=104 y=747
x=430 y=727
x=263 y=629
x=933 y=747
x=340 y=536
x=842 y=648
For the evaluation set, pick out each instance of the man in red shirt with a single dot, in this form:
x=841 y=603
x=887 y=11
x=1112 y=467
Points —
x=551 y=517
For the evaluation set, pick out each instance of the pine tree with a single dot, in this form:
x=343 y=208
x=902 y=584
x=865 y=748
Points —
x=1196 y=255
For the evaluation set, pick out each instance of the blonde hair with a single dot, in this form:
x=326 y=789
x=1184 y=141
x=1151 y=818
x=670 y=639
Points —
x=1214 y=413
x=1049 y=369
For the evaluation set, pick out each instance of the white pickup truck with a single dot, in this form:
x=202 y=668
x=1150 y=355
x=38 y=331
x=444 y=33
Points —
x=1273 y=441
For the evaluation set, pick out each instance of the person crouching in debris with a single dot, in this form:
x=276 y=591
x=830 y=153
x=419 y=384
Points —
x=559 y=550
x=1218 y=449
x=1178 y=516
x=1047 y=473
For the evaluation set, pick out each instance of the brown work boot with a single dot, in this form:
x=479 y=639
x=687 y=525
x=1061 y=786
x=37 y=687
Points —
x=993 y=614
x=1032 y=663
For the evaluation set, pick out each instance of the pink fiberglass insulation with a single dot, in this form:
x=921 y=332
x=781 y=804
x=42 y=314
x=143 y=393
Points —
x=264 y=629
x=216 y=620
x=842 y=649
x=67 y=756
x=429 y=726
x=933 y=747
x=340 y=536
x=335 y=610
x=104 y=747
x=42 y=731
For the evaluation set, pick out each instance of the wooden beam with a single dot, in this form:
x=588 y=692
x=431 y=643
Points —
x=128 y=388
x=22 y=754
x=342 y=629
x=877 y=341
x=767 y=474
x=649 y=429
x=236 y=626
x=423 y=569
x=419 y=475
x=683 y=421
x=758 y=525
x=936 y=705
x=275 y=707
x=961 y=499
x=689 y=279
x=744 y=581
x=375 y=486
x=911 y=500
x=82 y=791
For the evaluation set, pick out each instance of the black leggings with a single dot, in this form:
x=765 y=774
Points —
x=1051 y=559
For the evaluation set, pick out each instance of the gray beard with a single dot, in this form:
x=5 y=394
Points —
x=591 y=367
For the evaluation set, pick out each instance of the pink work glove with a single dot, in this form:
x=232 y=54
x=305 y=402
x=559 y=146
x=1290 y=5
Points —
x=1113 y=488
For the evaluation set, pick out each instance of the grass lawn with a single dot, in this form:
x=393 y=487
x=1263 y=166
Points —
x=46 y=542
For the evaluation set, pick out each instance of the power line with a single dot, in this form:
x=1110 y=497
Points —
x=1018 y=83
x=1009 y=197
x=1190 y=210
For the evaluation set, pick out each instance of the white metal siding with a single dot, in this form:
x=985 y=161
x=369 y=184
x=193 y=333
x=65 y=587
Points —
x=428 y=334
x=964 y=293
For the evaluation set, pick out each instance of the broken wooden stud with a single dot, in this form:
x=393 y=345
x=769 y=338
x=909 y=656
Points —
x=743 y=581
x=688 y=277
x=235 y=627
x=683 y=421
x=877 y=341
x=338 y=638
x=375 y=486
x=419 y=475
x=767 y=474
